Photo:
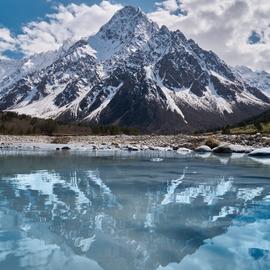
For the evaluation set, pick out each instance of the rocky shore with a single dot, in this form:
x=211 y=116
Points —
x=200 y=143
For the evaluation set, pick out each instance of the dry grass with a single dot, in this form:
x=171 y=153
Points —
x=212 y=142
x=251 y=129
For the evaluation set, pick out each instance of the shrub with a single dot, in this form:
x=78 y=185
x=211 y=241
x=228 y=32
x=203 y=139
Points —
x=258 y=126
x=226 y=130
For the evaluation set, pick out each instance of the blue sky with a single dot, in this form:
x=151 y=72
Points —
x=237 y=30
x=15 y=13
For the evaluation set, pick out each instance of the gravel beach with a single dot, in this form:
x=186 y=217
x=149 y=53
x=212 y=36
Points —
x=133 y=143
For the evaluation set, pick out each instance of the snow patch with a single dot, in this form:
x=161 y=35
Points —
x=248 y=194
x=210 y=193
x=169 y=197
x=171 y=105
x=224 y=212
x=112 y=91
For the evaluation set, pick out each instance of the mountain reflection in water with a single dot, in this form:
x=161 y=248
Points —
x=79 y=212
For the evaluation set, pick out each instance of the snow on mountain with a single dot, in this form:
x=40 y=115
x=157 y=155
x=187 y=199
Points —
x=132 y=73
x=14 y=70
x=258 y=79
x=7 y=67
x=128 y=31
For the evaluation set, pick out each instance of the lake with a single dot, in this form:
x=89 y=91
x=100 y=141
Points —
x=133 y=212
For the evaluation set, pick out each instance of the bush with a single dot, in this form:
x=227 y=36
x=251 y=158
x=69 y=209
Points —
x=226 y=130
x=258 y=126
x=12 y=123
x=47 y=127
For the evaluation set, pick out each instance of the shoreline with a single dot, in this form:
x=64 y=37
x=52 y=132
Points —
x=127 y=142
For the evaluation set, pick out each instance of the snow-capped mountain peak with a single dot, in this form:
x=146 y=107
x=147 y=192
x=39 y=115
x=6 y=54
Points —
x=132 y=73
x=258 y=79
x=129 y=29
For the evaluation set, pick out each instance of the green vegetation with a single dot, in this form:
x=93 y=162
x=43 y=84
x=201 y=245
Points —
x=13 y=124
x=252 y=129
x=259 y=124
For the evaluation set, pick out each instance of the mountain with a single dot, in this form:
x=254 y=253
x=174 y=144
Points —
x=11 y=71
x=258 y=79
x=134 y=74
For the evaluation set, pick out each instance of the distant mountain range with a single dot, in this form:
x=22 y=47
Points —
x=134 y=74
x=258 y=79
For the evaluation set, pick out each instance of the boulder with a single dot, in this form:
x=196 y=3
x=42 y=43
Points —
x=261 y=152
x=241 y=149
x=132 y=148
x=183 y=151
x=203 y=149
x=232 y=148
x=223 y=149
x=157 y=148
x=65 y=148
x=95 y=147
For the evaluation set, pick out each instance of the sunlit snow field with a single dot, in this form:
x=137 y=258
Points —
x=133 y=212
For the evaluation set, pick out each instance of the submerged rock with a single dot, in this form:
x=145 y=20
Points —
x=184 y=150
x=65 y=148
x=203 y=149
x=261 y=152
x=157 y=148
x=95 y=147
x=144 y=148
x=132 y=148
x=156 y=159
x=223 y=149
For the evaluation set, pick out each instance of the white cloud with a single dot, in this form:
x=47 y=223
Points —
x=223 y=26
x=67 y=23
x=7 y=42
x=70 y=22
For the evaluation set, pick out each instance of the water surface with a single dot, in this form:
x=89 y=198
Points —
x=72 y=211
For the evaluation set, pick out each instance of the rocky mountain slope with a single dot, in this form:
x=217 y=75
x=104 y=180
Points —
x=258 y=79
x=132 y=73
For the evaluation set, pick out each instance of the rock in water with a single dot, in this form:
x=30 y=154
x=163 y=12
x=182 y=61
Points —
x=203 y=149
x=232 y=148
x=261 y=152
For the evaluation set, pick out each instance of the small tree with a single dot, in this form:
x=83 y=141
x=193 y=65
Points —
x=47 y=127
x=226 y=130
x=258 y=126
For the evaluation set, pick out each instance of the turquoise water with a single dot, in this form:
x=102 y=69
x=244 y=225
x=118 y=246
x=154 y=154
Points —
x=72 y=211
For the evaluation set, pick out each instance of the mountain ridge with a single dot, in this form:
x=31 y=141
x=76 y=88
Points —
x=258 y=79
x=133 y=73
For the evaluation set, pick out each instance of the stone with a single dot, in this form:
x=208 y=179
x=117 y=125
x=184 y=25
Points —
x=241 y=149
x=232 y=148
x=203 y=149
x=132 y=148
x=261 y=152
x=183 y=150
